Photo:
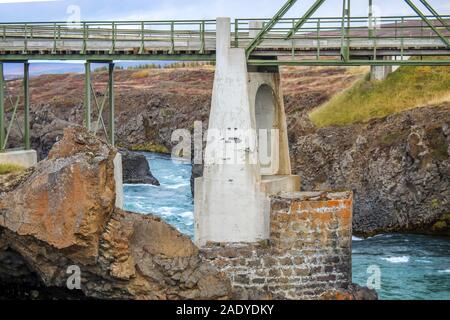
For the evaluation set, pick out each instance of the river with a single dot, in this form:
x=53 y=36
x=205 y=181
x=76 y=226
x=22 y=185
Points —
x=410 y=267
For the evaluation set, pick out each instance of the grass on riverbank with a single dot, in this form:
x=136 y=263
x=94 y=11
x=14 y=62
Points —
x=150 y=147
x=407 y=88
x=6 y=168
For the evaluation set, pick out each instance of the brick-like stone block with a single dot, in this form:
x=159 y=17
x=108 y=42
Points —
x=308 y=253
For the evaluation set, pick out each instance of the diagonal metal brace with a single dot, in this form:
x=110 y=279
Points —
x=305 y=18
x=435 y=13
x=429 y=23
x=268 y=26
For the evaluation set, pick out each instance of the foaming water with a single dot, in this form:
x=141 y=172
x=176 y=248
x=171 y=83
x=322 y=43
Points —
x=171 y=201
x=412 y=267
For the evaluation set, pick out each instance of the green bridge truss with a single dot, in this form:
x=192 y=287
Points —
x=345 y=40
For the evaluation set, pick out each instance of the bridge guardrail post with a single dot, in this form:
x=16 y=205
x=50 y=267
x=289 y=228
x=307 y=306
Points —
x=83 y=49
x=25 y=41
x=54 y=39
x=172 y=38
x=202 y=37
x=402 y=39
x=318 y=38
x=142 y=48
x=113 y=45
x=236 y=33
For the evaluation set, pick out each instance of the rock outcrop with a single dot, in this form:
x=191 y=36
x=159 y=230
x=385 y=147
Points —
x=136 y=169
x=398 y=167
x=369 y=158
x=60 y=217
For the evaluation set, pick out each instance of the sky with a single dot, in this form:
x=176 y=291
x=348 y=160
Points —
x=64 y=10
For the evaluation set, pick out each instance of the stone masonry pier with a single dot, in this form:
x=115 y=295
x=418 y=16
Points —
x=308 y=254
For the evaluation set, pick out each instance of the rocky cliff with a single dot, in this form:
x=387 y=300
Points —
x=60 y=217
x=398 y=166
x=61 y=237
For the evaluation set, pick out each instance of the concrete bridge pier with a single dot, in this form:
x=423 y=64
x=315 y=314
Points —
x=381 y=72
x=247 y=155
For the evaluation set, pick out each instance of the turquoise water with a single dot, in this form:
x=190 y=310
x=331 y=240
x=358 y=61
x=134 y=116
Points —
x=411 y=267
x=172 y=201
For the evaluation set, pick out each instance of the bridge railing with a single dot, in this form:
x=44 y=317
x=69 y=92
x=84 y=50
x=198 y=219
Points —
x=193 y=35
x=198 y=37
x=319 y=33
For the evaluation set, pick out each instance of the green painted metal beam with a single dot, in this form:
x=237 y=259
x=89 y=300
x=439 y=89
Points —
x=87 y=95
x=106 y=57
x=435 y=13
x=15 y=107
x=428 y=22
x=345 y=31
x=349 y=63
x=26 y=105
x=2 y=108
x=305 y=18
x=371 y=20
x=111 y=124
x=268 y=26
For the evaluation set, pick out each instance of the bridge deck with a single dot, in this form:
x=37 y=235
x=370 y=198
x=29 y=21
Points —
x=196 y=40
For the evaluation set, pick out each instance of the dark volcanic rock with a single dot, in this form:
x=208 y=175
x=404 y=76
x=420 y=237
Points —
x=197 y=172
x=398 y=167
x=136 y=169
x=46 y=131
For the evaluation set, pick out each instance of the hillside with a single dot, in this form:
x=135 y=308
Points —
x=398 y=166
x=405 y=89
x=151 y=103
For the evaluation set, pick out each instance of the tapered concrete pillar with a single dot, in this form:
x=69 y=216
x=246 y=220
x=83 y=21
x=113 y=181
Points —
x=226 y=187
x=231 y=199
x=380 y=72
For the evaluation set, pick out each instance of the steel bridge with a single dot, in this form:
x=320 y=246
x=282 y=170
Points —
x=345 y=40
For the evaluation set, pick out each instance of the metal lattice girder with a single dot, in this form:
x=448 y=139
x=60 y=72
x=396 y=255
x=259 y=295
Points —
x=267 y=27
x=305 y=18
x=2 y=108
x=26 y=104
x=111 y=128
x=100 y=104
x=434 y=12
x=428 y=22
x=87 y=95
x=24 y=131
x=345 y=45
